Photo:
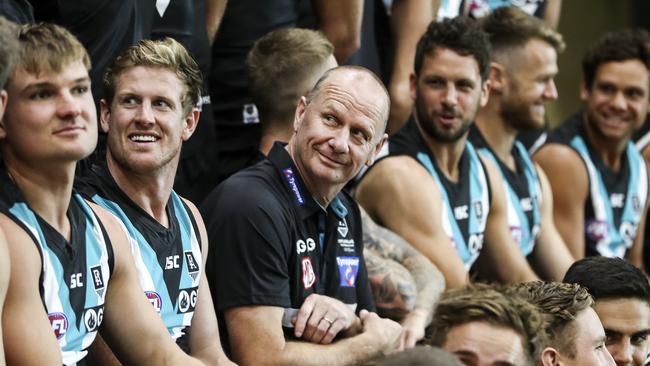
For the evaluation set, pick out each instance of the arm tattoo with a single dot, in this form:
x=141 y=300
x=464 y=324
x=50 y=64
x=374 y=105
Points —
x=388 y=247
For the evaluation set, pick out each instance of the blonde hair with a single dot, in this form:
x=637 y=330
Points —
x=487 y=304
x=8 y=48
x=167 y=54
x=48 y=48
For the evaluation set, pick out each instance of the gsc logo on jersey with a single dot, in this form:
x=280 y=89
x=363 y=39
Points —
x=59 y=324
x=187 y=300
x=93 y=318
x=348 y=268
x=192 y=266
x=155 y=300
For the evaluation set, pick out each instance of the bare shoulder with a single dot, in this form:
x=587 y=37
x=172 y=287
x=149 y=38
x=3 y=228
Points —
x=563 y=167
x=395 y=174
x=557 y=157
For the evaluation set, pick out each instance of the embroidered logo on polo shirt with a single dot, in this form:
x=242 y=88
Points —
x=343 y=228
x=348 y=268
x=291 y=179
x=308 y=276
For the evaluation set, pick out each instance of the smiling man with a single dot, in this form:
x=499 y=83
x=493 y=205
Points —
x=433 y=188
x=151 y=91
x=524 y=64
x=599 y=180
x=288 y=268
x=73 y=272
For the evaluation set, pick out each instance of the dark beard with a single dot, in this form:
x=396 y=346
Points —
x=514 y=115
x=426 y=122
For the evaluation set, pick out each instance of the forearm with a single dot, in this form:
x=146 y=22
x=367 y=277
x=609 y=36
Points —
x=214 y=10
x=429 y=283
x=349 y=351
x=340 y=22
x=211 y=356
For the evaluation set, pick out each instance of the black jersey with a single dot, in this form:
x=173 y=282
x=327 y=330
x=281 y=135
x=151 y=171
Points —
x=465 y=204
x=168 y=260
x=522 y=188
x=74 y=274
x=616 y=200
x=274 y=245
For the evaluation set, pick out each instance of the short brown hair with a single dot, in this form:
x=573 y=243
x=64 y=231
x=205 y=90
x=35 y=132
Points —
x=278 y=65
x=560 y=303
x=46 y=47
x=485 y=303
x=508 y=28
x=8 y=48
x=166 y=54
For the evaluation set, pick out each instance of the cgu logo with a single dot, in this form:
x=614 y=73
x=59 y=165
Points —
x=303 y=246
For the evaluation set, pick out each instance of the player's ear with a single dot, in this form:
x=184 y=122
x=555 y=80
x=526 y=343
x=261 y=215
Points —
x=376 y=150
x=300 y=113
x=190 y=123
x=104 y=115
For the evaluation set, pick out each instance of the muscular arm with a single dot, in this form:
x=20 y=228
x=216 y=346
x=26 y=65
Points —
x=125 y=296
x=409 y=19
x=256 y=338
x=551 y=256
x=400 y=195
x=214 y=10
x=27 y=333
x=500 y=252
x=204 y=333
x=552 y=12
x=5 y=269
x=635 y=253
x=340 y=22
x=569 y=183
x=387 y=255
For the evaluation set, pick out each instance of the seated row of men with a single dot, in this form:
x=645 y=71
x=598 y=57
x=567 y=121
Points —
x=286 y=263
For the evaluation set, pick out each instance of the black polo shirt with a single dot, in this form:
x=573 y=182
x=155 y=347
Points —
x=266 y=244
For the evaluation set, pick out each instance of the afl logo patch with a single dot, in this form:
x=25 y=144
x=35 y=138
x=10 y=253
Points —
x=154 y=299
x=59 y=323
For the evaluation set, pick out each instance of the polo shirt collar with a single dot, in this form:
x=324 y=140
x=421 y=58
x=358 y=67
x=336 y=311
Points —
x=291 y=179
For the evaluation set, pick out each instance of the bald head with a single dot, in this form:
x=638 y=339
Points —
x=357 y=78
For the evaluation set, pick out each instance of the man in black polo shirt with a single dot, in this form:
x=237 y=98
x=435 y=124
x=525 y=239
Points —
x=288 y=262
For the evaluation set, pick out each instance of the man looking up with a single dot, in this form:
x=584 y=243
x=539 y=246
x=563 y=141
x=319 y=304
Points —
x=283 y=66
x=151 y=92
x=289 y=254
x=599 y=180
x=575 y=335
x=524 y=63
x=622 y=302
x=73 y=267
x=433 y=189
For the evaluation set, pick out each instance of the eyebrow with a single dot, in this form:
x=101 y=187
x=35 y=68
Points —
x=641 y=333
x=47 y=84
